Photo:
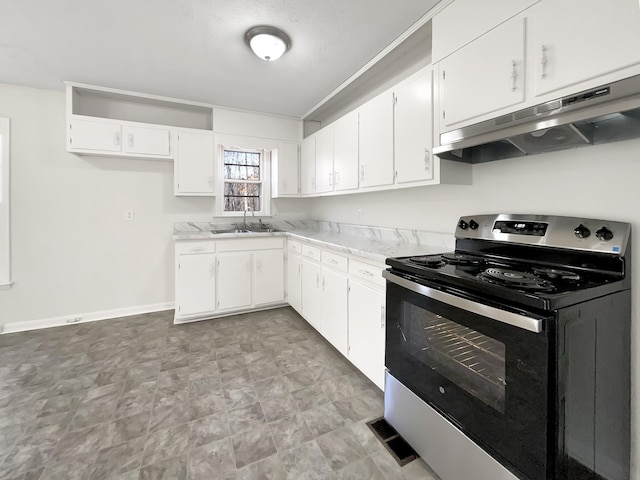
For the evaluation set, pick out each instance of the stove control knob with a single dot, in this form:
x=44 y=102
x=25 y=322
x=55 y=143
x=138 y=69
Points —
x=604 y=234
x=462 y=224
x=581 y=231
x=473 y=225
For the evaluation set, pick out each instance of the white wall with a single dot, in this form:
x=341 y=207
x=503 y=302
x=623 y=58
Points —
x=73 y=254
x=593 y=182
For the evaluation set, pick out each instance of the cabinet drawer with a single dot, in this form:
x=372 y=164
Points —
x=243 y=244
x=311 y=252
x=336 y=261
x=365 y=271
x=294 y=246
x=195 y=246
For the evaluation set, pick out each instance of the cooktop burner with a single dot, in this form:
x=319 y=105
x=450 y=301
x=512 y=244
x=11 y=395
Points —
x=461 y=259
x=428 y=261
x=516 y=279
x=553 y=273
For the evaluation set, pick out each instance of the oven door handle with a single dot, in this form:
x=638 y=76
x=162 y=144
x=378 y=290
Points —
x=510 y=318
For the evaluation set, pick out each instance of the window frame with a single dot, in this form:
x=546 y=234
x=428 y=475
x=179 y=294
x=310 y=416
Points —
x=265 y=183
x=5 y=204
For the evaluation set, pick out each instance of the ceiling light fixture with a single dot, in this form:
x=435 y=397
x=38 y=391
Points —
x=268 y=43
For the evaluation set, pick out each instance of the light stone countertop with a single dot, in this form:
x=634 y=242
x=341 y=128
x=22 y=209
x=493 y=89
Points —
x=375 y=243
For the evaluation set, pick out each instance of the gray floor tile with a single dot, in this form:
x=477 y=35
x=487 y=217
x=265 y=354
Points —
x=268 y=469
x=247 y=418
x=239 y=397
x=289 y=432
x=306 y=462
x=364 y=469
x=205 y=405
x=79 y=442
x=252 y=446
x=323 y=419
x=126 y=429
x=117 y=460
x=165 y=443
x=70 y=468
x=309 y=397
x=340 y=447
x=208 y=429
x=279 y=406
x=212 y=461
x=172 y=469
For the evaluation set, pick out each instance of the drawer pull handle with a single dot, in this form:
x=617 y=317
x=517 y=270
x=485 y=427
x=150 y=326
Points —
x=333 y=261
x=367 y=273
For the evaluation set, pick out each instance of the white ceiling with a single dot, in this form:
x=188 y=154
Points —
x=195 y=50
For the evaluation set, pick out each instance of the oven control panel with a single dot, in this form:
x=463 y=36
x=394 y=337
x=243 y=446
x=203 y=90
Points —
x=546 y=230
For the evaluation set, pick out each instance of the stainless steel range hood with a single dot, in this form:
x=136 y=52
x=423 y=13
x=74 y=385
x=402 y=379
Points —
x=605 y=114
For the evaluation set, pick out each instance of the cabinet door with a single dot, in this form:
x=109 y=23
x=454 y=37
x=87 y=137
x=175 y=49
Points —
x=234 y=280
x=308 y=165
x=580 y=40
x=376 y=141
x=294 y=282
x=485 y=76
x=195 y=284
x=269 y=277
x=345 y=152
x=311 y=301
x=146 y=140
x=413 y=129
x=334 y=309
x=324 y=160
x=367 y=331
x=98 y=136
x=194 y=164
x=286 y=168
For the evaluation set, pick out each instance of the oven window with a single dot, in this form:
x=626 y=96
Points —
x=470 y=359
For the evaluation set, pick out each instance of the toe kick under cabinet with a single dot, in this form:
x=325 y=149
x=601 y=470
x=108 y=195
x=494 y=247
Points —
x=223 y=277
x=343 y=297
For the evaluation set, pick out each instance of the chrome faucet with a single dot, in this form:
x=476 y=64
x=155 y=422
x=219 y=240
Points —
x=244 y=218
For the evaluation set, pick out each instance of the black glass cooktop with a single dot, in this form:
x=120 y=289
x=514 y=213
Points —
x=511 y=281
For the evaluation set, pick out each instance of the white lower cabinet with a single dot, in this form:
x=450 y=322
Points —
x=195 y=279
x=268 y=277
x=311 y=293
x=343 y=298
x=234 y=280
x=367 y=330
x=334 y=307
x=221 y=277
x=294 y=276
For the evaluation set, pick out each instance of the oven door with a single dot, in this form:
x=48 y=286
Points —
x=487 y=369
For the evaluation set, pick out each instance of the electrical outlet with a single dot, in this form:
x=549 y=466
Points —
x=129 y=215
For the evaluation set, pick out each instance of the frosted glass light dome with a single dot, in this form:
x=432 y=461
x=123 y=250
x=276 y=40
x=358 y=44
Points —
x=268 y=43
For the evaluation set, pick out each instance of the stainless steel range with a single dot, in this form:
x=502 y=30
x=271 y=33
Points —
x=510 y=357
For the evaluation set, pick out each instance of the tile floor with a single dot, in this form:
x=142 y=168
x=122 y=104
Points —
x=255 y=396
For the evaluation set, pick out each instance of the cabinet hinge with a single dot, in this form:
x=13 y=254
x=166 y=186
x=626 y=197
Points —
x=179 y=307
x=444 y=74
x=444 y=114
x=179 y=266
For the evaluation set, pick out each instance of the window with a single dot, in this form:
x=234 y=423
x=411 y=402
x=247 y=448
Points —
x=245 y=181
x=5 y=270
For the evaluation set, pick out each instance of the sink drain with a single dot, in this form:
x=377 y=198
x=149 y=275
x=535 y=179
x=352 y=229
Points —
x=399 y=449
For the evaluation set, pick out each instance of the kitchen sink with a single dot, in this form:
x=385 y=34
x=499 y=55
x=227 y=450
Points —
x=243 y=230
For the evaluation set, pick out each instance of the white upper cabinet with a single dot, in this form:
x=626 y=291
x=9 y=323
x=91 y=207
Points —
x=285 y=170
x=308 y=165
x=95 y=135
x=376 y=141
x=324 y=159
x=463 y=21
x=146 y=140
x=577 y=41
x=485 y=76
x=413 y=128
x=345 y=152
x=194 y=164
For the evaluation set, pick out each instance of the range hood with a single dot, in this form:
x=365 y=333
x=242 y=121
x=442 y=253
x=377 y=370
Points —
x=605 y=114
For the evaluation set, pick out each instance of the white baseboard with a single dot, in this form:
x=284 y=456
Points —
x=73 y=319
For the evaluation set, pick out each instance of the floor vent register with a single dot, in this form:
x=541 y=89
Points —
x=400 y=450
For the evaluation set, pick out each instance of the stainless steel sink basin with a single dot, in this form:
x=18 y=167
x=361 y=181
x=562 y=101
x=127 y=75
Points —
x=241 y=230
